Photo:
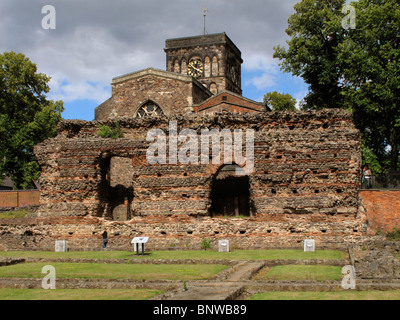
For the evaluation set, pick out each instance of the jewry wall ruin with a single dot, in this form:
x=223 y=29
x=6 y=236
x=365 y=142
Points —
x=305 y=181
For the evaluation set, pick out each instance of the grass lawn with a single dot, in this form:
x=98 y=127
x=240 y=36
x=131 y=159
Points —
x=190 y=254
x=340 y=295
x=301 y=272
x=21 y=213
x=78 y=294
x=115 y=271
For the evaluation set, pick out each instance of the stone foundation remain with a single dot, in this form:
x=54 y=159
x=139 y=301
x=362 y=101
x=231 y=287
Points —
x=170 y=233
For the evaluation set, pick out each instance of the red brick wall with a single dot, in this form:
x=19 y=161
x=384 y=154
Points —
x=15 y=199
x=382 y=209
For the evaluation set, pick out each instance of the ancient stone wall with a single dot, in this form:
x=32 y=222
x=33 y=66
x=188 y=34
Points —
x=305 y=180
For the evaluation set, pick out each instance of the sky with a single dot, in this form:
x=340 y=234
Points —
x=95 y=41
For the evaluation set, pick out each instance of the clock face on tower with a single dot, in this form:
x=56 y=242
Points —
x=195 y=68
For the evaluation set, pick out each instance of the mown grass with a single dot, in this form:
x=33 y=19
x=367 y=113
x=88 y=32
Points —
x=339 y=295
x=115 y=271
x=301 y=272
x=78 y=294
x=190 y=254
x=20 y=213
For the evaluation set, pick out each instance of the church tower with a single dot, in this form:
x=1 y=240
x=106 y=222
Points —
x=212 y=59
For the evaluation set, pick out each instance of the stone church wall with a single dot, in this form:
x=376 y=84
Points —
x=173 y=93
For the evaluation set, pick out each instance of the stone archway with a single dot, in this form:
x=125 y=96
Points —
x=230 y=193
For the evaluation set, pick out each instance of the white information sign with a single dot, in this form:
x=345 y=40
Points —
x=138 y=244
x=61 y=246
x=140 y=239
x=309 y=245
x=223 y=246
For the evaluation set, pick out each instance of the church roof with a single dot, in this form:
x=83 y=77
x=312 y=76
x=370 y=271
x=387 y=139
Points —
x=229 y=101
x=156 y=72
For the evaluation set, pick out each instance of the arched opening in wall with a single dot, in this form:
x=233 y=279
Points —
x=120 y=199
x=103 y=187
x=115 y=190
x=230 y=193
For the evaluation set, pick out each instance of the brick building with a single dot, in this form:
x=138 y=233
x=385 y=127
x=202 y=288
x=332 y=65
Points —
x=303 y=182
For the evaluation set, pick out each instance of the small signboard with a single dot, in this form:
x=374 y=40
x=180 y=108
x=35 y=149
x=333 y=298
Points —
x=139 y=243
x=223 y=246
x=61 y=246
x=309 y=245
x=140 y=239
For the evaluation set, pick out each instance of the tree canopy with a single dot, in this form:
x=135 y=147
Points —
x=26 y=117
x=280 y=101
x=357 y=69
x=315 y=32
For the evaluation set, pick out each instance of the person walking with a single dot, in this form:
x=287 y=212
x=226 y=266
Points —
x=105 y=239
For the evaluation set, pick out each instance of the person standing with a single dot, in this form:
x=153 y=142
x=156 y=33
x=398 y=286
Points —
x=105 y=239
x=367 y=177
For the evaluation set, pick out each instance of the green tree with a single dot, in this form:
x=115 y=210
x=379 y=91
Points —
x=357 y=69
x=370 y=55
x=26 y=117
x=280 y=101
x=315 y=32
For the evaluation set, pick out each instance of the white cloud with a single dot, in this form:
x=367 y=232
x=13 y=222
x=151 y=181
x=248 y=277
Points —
x=95 y=41
x=260 y=62
x=262 y=82
x=85 y=62
x=63 y=89
x=300 y=96
x=265 y=71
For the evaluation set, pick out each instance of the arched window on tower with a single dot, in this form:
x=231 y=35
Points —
x=183 y=66
x=207 y=67
x=176 y=66
x=149 y=109
x=214 y=66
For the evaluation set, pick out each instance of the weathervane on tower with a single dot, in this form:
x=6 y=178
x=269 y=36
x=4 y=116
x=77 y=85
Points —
x=204 y=15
